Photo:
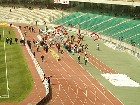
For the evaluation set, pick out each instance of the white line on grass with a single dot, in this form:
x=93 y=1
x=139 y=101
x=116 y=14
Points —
x=6 y=68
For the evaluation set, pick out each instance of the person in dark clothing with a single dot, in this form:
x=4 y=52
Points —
x=42 y=58
x=7 y=40
x=79 y=58
x=46 y=48
x=48 y=78
x=34 y=54
x=86 y=59
x=20 y=27
x=58 y=46
x=29 y=43
x=10 y=41
x=11 y=25
x=0 y=37
x=34 y=42
x=44 y=22
x=16 y=39
x=37 y=48
x=36 y=22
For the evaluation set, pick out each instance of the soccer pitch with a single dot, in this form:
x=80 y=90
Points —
x=4 y=88
x=15 y=77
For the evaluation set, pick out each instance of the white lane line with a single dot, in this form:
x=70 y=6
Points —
x=67 y=83
x=78 y=78
x=96 y=86
x=7 y=84
x=82 y=73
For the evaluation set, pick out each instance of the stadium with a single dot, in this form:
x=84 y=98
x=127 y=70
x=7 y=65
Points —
x=69 y=52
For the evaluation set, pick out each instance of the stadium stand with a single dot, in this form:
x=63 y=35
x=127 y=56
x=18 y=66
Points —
x=106 y=25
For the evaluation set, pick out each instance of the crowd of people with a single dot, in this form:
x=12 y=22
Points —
x=9 y=40
x=72 y=44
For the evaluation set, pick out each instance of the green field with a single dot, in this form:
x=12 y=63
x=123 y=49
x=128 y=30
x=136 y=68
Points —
x=18 y=78
x=122 y=62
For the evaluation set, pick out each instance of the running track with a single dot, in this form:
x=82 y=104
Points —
x=71 y=84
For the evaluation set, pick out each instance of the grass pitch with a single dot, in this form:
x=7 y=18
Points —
x=16 y=84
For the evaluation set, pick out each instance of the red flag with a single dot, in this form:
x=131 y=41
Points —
x=94 y=36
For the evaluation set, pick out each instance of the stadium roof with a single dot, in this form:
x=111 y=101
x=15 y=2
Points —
x=112 y=2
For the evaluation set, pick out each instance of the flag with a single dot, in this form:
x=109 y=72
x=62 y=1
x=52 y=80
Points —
x=64 y=1
x=94 y=36
x=60 y=29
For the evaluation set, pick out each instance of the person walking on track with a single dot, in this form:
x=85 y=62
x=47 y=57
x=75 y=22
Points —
x=98 y=46
x=34 y=53
x=79 y=58
x=86 y=59
x=42 y=58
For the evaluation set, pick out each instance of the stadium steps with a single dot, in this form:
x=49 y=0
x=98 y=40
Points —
x=73 y=20
x=25 y=15
x=111 y=24
x=89 y=17
x=112 y=29
x=124 y=29
x=99 y=26
x=89 y=22
x=78 y=20
x=67 y=19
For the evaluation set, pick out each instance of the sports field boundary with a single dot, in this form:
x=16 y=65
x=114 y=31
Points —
x=6 y=71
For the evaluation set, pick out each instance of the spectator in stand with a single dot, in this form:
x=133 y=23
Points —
x=36 y=22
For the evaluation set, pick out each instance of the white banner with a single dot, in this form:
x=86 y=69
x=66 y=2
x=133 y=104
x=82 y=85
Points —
x=57 y=1
x=64 y=1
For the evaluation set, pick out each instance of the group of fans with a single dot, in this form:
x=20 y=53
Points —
x=62 y=40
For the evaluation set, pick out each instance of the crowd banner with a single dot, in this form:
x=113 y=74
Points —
x=57 y=1
x=64 y=1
